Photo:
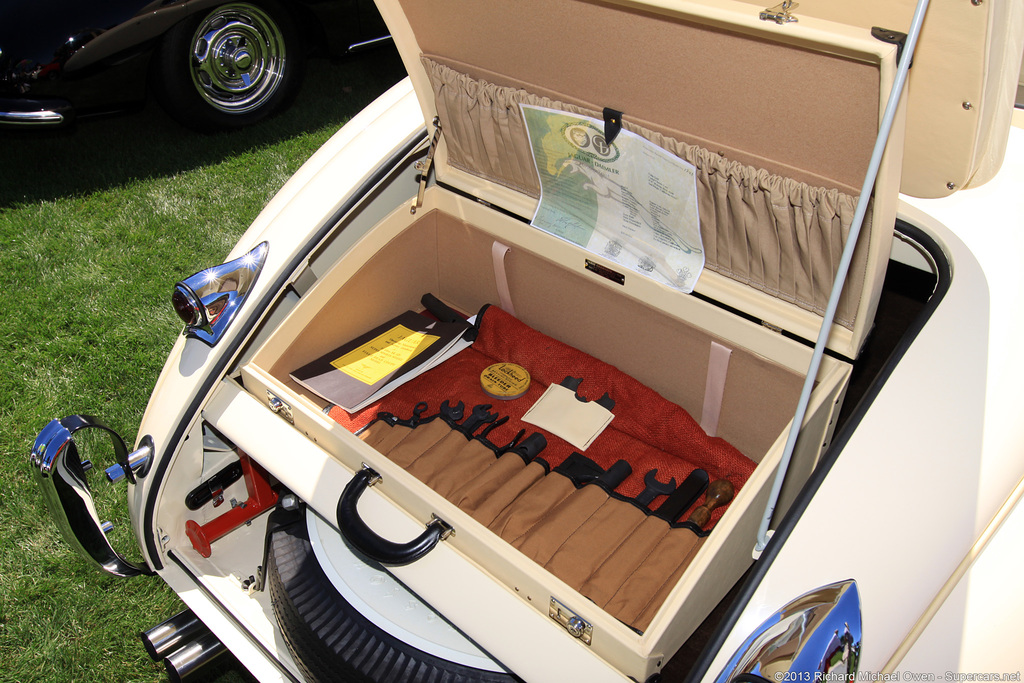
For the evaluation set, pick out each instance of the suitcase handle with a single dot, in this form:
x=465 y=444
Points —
x=371 y=544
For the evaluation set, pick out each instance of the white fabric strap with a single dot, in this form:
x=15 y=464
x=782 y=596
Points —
x=498 y=251
x=714 y=389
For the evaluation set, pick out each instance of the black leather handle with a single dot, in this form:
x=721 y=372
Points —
x=368 y=542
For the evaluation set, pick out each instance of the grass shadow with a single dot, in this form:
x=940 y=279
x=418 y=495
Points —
x=99 y=153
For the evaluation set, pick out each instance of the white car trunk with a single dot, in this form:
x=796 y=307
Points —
x=780 y=133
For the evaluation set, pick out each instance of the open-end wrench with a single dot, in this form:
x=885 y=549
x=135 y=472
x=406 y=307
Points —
x=417 y=413
x=654 y=488
x=479 y=416
x=452 y=413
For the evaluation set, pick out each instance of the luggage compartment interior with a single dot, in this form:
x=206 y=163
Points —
x=773 y=226
x=451 y=258
x=663 y=340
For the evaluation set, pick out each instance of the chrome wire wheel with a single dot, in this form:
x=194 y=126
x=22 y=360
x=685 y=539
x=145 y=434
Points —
x=238 y=58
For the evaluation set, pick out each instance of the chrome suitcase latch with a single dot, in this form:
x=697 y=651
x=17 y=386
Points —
x=280 y=407
x=572 y=622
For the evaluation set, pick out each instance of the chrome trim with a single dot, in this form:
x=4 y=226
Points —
x=32 y=118
x=137 y=462
x=193 y=656
x=217 y=293
x=373 y=42
x=172 y=634
x=780 y=13
x=818 y=633
x=280 y=408
x=57 y=468
x=238 y=58
x=575 y=625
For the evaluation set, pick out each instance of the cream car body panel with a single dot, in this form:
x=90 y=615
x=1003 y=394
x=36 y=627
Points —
x=908 y=498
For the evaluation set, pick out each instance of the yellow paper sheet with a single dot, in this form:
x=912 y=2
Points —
x=382 y=355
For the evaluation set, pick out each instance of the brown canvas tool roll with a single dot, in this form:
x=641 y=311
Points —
x=604 y=545
x=475 y=492
x=648 y=431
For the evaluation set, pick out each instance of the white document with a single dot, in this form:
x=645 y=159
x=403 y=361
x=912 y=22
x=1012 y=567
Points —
x=630 y=202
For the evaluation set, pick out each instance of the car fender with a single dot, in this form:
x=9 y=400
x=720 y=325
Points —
x=936 y=453
x=150 y=23
x=292 y=223
x=974 y=624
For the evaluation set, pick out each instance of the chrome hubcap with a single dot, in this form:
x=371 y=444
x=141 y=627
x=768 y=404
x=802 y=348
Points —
x=238 y=58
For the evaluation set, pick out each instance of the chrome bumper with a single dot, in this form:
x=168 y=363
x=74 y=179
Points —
x=46 y=117
x=61 y=475
x=22 y=112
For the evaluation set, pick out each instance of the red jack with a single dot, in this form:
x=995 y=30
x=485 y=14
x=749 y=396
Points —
x=261 y=497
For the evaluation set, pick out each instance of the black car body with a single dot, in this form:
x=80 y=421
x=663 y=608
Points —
x=60 y=59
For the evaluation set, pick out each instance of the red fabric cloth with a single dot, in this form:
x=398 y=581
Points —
x=648 y=431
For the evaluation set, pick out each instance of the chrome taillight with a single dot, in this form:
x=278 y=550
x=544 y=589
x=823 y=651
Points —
x=208 y=300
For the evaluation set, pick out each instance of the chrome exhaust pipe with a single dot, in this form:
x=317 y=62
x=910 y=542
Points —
x=167 y=637
x=193 y=656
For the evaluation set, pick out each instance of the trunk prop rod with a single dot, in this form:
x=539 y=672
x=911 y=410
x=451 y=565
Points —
x=423 y=166
x=763 y=534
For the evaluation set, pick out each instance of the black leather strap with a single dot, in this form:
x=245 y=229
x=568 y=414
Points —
x=368 y=542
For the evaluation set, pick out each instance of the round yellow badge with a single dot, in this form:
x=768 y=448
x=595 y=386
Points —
x=505 y=381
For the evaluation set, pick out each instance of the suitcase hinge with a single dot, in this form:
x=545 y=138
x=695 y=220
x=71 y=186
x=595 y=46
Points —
x=423 y=165
x=572 y=622
x=780 y=14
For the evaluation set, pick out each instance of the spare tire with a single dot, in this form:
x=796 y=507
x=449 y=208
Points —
x=354 y=636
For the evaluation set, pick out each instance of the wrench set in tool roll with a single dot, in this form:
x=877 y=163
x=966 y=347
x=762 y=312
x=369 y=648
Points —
x=619 y=520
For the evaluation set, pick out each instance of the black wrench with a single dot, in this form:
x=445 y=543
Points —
x=479 y=416
x=452 y=413
x=655 y=488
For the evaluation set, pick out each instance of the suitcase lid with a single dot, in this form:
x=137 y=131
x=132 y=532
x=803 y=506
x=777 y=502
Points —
x=961 y=89
x=781 y=118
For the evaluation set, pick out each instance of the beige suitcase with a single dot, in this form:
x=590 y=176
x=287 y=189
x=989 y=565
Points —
x=779 y=120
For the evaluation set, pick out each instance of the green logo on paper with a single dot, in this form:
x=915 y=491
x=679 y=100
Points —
x=589 y=142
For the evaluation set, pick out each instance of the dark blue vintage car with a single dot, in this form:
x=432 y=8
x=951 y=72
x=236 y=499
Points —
x=212 y=64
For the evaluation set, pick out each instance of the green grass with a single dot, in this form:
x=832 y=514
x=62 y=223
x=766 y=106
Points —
x=96 y=225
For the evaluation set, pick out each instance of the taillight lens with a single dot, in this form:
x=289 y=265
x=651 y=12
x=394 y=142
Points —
x=186 y=307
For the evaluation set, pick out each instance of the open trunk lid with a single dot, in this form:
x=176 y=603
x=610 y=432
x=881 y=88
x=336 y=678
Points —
x=779 y=121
